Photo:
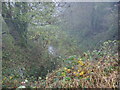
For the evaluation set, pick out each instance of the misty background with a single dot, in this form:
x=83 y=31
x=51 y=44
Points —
x=38 y=36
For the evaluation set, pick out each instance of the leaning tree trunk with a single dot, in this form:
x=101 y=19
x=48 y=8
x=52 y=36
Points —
x=17 y=27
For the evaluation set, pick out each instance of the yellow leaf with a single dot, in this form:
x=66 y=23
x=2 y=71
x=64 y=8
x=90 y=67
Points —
x=11 y=77
x=68 y=70
x=82 y=73
x=77 y=74
x=80 y=62
x=65 y=68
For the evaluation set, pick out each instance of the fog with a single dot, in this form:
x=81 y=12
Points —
x=41 y=37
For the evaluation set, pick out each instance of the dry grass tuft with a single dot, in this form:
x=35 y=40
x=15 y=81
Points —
x=85 y=73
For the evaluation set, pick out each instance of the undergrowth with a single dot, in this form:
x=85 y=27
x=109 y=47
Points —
x=96 y=69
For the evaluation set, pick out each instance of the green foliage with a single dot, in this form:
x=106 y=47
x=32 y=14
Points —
x=31 y=28
x=19 y=15
x=67 y=78
x=77 y=69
